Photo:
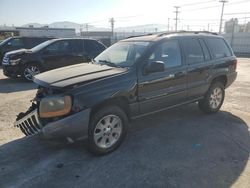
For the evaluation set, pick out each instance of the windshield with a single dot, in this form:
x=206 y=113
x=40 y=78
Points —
x=4 y=41
x=42 y=45
x=122 y=54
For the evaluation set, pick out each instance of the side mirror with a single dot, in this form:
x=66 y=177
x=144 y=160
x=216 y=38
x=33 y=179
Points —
x=157 y=66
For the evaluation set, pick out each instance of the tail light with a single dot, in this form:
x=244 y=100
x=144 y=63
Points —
x=235 y=63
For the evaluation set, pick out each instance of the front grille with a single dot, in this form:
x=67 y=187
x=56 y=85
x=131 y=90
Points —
x=5 y=61
x=30 y=124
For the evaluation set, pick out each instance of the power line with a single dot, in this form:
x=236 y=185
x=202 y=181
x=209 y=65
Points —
x=197 y=3
x=215 y=6
x=235 y=13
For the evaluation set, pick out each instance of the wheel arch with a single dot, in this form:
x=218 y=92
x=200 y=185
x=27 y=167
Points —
x=122 y=102
x=220 y=78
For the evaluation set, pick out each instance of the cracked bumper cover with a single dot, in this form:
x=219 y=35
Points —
x=74 y=126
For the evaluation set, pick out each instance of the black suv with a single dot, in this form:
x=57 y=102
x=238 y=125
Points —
x=15 y=43
x=130 y=79
x=49 y=55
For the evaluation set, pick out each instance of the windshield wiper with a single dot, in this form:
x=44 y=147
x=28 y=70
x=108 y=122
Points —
x=107 y=63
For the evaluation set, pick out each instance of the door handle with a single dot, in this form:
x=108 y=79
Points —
x=180 y=74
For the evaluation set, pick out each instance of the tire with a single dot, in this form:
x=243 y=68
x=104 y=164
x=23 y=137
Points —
x=107 y=130
x=213 y=99
x=35 y=69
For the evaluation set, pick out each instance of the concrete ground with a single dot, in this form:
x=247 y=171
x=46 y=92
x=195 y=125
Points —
x=181 y=147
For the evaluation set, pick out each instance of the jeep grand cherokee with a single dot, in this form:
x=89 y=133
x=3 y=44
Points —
x=130 y=79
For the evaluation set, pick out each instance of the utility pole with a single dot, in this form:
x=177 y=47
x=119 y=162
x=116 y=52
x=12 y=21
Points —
x=176 y=16
x=87 y=28
x=168 y=23
x=112 y=21
x=222 y=10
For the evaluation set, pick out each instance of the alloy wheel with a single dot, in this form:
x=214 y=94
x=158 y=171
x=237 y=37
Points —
x=216 y=97
x=30 y=72
x=108 y=131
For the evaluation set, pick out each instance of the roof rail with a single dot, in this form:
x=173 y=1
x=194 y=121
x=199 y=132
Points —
x=132 y=36
x=183 y=31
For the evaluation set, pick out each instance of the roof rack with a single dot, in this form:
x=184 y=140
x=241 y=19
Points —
x=183 y=31
x=132 y=36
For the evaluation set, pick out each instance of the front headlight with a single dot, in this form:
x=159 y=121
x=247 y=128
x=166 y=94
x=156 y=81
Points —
x=55 y=106
x=15 y=61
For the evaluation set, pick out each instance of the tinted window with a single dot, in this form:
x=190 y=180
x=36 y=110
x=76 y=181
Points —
x=167 y=52
x=17 y=42
x=193 y=51
x=91 y=46
x=59 y=47
x=205 y=50
x=218 y=47
x=77 y=45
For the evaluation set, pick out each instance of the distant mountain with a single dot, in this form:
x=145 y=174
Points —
x=66 y=24
x=34 y=25
x=143 y=28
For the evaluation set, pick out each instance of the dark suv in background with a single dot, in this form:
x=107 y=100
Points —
x=132 y=78
x=49 y=55
x=15 y=43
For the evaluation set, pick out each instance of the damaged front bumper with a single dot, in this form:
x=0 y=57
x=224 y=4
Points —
x=74 y=126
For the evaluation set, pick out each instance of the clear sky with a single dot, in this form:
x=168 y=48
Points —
x=125 y=12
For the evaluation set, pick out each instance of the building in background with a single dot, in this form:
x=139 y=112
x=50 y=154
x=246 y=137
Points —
x=233 y=26
x=37 y=32
x=104 y=36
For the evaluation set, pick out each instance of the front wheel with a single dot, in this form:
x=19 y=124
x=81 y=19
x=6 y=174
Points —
x=29 y=71
x=213 y=99
x=107 y=130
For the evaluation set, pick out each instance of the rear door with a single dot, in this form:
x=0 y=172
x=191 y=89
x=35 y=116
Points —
x=199 y=64
x=160 y=90
x=76 y=53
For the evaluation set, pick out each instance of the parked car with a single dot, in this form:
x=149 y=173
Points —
x=49 y=55
x=15 y=43
x=130 y=79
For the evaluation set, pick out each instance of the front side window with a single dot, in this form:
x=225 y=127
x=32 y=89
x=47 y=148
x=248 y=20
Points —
x=167 y=52
x=218 y=47
x=193 y=51
x=59 y=47
x=122 y=54
x=16 y=42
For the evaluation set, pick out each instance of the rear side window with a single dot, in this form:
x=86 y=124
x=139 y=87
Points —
x=193 y=51
x=93 y=48
x=218 y=48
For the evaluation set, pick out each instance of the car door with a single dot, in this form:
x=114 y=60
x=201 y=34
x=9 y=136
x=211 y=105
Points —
x=199 y=64
x=160 y=90
x=55 y=55
x=93 y=48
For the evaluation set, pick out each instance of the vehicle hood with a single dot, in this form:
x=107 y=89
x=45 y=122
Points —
x=17 y=52
x=71 y=75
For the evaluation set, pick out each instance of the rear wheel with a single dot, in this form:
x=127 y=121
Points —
x=29 y=71
x=213 y=99
x=107 y=130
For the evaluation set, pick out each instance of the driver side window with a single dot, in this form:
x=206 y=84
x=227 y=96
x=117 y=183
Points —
x=59 y=47
x=169 y=53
